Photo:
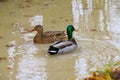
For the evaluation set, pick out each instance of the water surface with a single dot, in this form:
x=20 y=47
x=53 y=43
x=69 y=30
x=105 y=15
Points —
x=98 y=38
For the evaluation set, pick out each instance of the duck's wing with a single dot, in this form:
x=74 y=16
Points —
x=62 y=44
x=54 y=33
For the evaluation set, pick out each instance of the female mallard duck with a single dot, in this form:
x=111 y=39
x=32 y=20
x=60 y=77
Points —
x=64 y=46
x=47 y=37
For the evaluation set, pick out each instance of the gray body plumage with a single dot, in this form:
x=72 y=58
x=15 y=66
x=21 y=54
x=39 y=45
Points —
x=67 y=49
x=63 y=47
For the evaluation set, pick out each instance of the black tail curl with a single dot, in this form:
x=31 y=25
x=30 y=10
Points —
x=53 y=50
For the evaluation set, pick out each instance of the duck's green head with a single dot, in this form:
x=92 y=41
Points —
x=70 y=30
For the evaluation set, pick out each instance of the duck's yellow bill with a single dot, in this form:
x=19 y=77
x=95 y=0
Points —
x=76 y=30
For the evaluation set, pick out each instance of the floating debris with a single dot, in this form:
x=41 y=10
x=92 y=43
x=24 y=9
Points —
x=93 y=30
x=46 y=4
x=3 y=58
x=66 y=20
x=11 y=44
x=9 y=68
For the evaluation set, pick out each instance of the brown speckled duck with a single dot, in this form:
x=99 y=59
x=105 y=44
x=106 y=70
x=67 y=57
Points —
x=47 y=37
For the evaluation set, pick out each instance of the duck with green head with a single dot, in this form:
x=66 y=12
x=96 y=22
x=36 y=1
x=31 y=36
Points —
x=60 y=47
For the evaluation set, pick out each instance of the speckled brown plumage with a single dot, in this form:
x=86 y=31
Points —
x=47 y=37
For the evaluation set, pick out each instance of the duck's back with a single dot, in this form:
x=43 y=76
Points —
x=50 y=37
x=54 y=33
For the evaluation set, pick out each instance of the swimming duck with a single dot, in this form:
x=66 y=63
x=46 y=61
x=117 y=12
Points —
x=47 y=37
x=60 y=47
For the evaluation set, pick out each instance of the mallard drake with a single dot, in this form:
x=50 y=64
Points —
x=47 y=37
x=64 y=46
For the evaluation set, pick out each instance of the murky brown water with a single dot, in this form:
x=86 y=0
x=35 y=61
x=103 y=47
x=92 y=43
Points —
x=98 y=38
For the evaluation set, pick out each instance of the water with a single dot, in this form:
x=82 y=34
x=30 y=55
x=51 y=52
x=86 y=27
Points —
x=97 y=38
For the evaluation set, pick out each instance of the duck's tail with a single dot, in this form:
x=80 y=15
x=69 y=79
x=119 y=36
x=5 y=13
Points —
x=53 y=50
